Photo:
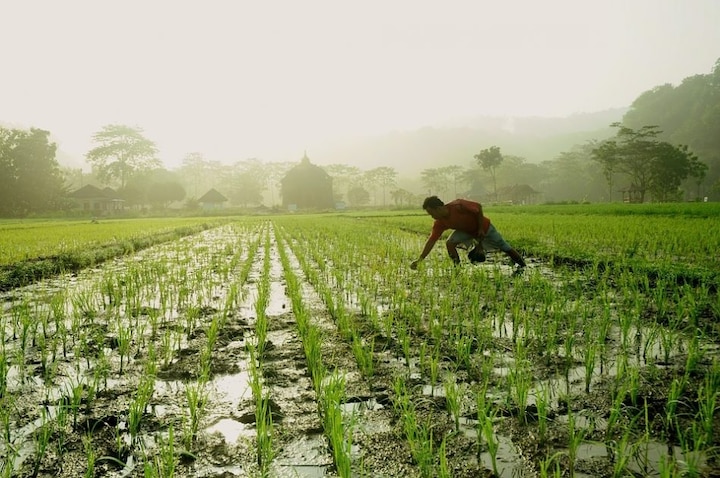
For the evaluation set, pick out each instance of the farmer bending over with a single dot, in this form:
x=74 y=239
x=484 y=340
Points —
x=471 y=228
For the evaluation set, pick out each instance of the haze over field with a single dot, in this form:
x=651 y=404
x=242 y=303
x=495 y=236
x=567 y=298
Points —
x=240 y=79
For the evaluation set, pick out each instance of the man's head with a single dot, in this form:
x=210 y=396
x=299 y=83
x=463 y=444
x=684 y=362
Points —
x=434 y=206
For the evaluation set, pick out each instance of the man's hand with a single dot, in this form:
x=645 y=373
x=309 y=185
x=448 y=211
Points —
x=414 y=264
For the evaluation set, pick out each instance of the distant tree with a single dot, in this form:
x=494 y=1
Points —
x=653 y=166
x=455 y=175
x=275 y=171
x=121 y=151
x=344 y=177
x=30 y=178
x=489 y=159
x=688 y=114
x=194 y=170
x=383 y=176
x=163 y=193
x=358 y=196
x=435 y=180
x=402 y=197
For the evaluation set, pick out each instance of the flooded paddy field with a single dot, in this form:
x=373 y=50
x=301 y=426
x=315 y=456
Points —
x=298 y=346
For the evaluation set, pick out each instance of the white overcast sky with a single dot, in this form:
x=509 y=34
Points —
x=240 y=79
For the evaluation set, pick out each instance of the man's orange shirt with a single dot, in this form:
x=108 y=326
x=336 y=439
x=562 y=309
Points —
x=463 y=217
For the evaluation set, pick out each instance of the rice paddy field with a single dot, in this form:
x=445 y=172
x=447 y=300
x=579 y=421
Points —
x=305 y=346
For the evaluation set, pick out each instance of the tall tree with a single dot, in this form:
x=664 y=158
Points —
x=489 y=159
x=30 y=177
x=383 y=176
x=689 y=114
x=344 y=177
x=435 y=180
x=121 y=151
x=653 y=166
x=194 y=171
x=455 y=175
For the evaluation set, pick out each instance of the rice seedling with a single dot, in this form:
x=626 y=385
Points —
x=195 y=396
x=364 y=355
x=575 y=438
x=340 y=439
x=166 y=460
x=453 y=396
x=492 y=442
x=542 y=402
x=443 y=471
x=42 y=440
x=707 y=399
x=90 y=455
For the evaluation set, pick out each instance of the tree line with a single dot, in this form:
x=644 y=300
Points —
x=667 y=148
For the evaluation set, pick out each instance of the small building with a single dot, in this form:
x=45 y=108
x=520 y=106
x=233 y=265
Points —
x=98 y=201
x=632 y=194
x=307 y=186
x=518 y=194
x=212 y=200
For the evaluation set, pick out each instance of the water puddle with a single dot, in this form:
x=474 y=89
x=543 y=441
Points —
x=231 y=430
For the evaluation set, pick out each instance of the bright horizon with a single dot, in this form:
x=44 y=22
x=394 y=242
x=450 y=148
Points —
x=269 y=80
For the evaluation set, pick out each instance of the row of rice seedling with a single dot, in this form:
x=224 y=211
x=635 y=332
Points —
x=559 y=326
x=103 y=341
x=329 y=385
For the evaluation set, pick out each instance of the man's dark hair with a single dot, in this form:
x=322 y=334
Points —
x=432 y=201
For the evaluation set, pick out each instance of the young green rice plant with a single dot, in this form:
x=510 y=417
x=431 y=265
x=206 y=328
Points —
x=590 y=352
x=708 y=406
x=677 y=387
x=463 y=350
x=434 y=367
x=575 y=438
x=313 y=356
x=364 y=355
x=692 y=446
x=493 y=444
x=633 y=386
x=621 y=454
x=453 y=396
x=4 y=369
x=331 y=397
x=443 y=470
x=542 y=402
x=90 y=455
x=668 y=341
x=404 y=339
x=264 y=428
x=520 y=379
x=615 y=411
x=135 y=415
x=694 y=354
x=74 y=391
x=549 y=467
x=43 y=434
x=124 y=335
x=166 y=461
x=195 y=395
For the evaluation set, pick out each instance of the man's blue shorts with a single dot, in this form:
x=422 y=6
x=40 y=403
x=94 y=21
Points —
x=493 y=241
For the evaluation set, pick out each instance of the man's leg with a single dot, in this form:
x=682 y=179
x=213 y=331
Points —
x=457 y=237
x=516 y=257
x=452 y=251
x=493 y=239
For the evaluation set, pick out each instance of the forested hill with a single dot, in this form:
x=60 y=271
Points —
x=536 y=139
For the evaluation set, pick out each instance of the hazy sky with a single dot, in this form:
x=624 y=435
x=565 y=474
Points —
x=269 y=79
